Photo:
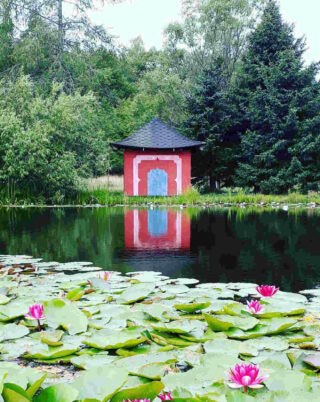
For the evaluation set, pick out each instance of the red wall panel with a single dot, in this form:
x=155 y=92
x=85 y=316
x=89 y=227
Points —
x=145 y=166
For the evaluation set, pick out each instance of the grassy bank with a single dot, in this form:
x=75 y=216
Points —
x=102 y=196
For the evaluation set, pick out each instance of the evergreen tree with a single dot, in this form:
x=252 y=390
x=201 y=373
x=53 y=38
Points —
x=279 y=101
x=213 y=122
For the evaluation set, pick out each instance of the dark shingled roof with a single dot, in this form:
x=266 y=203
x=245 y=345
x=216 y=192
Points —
x=157 y=135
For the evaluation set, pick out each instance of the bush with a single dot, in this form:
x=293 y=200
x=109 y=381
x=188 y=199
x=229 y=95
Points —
x=46 y=144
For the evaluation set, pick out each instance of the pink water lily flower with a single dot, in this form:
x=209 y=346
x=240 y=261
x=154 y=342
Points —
x=105 y=275
x=166 y=397
x=266 y=290
x=36 y=313
x=137 y=400
x=245 y=376
x=254 y=307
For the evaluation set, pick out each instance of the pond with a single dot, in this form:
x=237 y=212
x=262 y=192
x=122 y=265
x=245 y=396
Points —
x=212 y=245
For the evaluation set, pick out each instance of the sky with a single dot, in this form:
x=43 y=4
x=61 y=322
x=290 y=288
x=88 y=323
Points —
x=148 y=19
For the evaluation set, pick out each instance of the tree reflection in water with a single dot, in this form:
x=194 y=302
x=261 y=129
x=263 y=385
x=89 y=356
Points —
x=253 y=245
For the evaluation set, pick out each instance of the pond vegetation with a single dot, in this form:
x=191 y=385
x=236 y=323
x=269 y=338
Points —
x=118 y=337
x=193 y=198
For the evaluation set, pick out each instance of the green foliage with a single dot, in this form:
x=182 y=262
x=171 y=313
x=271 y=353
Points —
x=47 y=144
x=279 y=107
x=211 y=30
x=192 y=197
x=67 y=91
x=212 y=120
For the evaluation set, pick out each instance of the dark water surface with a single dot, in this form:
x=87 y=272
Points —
x=260 y=246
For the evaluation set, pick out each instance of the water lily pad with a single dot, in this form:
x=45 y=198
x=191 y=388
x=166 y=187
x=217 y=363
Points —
x=12 y=310
x=13 y=392
x=155 y=311
x=68 y=316
x=46 y=352
x=87 y=361
x=177 y=327
x=287 y=380
x=152 y=371
x=226 y=346
x=12 y=331
x=58 y=393
x=313 y=360
x=52 y=338
x=135 y=293
x=100 y=383
x=75 y=294
x=145 y=391
x=225 y=322
x=127 y=338
x=4 y=299
x=192 y=307
x=134 y=363
x=272 y=343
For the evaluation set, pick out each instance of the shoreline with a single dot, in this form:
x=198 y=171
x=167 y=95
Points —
x=104 y=198
x=273 y=205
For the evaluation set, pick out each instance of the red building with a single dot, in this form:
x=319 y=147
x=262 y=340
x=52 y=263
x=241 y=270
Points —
x=157 y=160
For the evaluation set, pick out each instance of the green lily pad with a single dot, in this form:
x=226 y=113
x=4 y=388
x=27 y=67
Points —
x=135 y=293
x=152 y=371
x=177 y=327
x=58 y=393
x=225 y=322
x=155 y=311
x=4 y=299
x=46 y=352
x=51 y=338
x=100 y=383
x=127 y=338
x=12 y=310
x=12 y=331
x=75 y=294
x=87 y=361
x=192 y=307
x=313 y=360
x=287 y=380
x=13 y=392
x=145 y=391
x=68 y=316
x=35 y=386
x=134 y=363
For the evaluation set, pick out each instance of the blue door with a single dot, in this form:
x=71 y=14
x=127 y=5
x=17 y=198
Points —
x=157 y=182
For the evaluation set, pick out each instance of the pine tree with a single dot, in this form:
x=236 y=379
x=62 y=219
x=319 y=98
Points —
x=279 y=103
x=212 y=122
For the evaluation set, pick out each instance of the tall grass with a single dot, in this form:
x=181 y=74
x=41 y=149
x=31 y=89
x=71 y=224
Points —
x=192 y=197
x=111 y=183
x=109 y=191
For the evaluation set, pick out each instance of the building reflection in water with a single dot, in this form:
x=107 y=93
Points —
x=157 y=229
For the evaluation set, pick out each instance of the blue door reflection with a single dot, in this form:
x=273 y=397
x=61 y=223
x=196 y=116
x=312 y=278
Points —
x=157 y=223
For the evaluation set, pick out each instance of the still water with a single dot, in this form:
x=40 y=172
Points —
x=260 y=246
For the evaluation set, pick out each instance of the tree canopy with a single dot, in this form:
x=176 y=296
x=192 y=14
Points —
x=279 y=103
x=230 y=74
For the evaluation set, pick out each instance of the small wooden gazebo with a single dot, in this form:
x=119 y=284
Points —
x=157 y=160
